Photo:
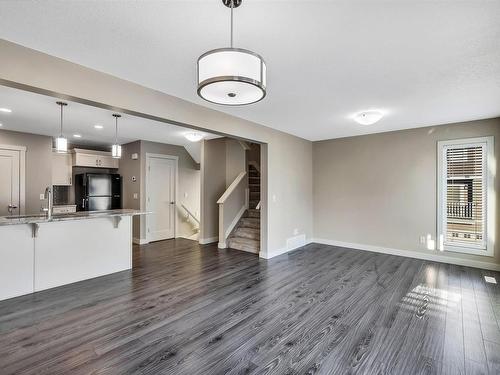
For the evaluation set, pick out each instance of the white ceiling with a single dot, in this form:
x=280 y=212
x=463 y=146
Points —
x=39 y=114
x=422 y=62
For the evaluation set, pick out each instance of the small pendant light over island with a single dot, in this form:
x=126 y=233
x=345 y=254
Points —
x=61 y=141
x=116 y=149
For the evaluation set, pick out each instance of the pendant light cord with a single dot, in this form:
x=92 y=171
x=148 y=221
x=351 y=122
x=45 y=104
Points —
x=232 y=7
x=61 y=120
x=116 y=130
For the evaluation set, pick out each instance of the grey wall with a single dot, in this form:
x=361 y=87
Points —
x=289 y=158
x=38 y=164
x=380 y=189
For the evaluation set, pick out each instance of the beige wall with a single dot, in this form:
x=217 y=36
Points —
x=128 y=169
x=235 y=160
x=289 y=158
x=380 y=189
x=213 y=177
x=222 y=160
x=38 y=165
x=188 y=183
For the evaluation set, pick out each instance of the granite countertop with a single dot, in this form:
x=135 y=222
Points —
x=42 y=218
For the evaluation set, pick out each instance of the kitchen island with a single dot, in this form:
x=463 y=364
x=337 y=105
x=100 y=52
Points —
x=39 y=253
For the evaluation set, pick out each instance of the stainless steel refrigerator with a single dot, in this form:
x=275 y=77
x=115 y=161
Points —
x=98 y=191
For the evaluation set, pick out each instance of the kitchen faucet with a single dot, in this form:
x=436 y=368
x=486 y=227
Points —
x=48 y=196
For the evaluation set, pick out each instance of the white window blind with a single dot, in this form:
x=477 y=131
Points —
x=463 y=203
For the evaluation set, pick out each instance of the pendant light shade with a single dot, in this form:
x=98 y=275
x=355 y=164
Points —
x=231 y=76
x=116 y=149
x=61 y=141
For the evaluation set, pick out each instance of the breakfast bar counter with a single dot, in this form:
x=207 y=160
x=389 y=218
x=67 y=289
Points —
x=39 y=253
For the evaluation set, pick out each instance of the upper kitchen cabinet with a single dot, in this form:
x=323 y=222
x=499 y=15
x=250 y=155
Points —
x=61 y=169
x=95 y=159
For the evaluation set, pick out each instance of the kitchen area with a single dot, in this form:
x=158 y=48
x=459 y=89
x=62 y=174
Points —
x=81 y=185
x=81 y=231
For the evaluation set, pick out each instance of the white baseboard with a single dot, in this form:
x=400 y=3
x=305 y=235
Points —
x=286 y=249
x=204 y=241
x=411 y=254
x=140 y=241
x=221 y=245
x=188 y=238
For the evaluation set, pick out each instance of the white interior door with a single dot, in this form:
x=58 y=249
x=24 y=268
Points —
x=160 y=199
x=10 y=183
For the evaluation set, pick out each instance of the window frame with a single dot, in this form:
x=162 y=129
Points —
x=489 y=197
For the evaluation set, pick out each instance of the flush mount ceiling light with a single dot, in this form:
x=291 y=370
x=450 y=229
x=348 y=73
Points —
x=77 y=135
x=6 y=110
x=193 y=136
x=231 y=76
x=61 y=142
x=97 y=126
x=368 y=117
x=116 y=149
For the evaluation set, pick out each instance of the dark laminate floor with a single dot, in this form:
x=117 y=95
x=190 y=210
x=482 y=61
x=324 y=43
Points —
x=320 y=310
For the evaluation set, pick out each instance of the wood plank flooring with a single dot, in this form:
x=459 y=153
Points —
x=190 y=309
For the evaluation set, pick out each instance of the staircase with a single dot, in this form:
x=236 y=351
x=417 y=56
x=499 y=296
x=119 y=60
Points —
x=246 y=234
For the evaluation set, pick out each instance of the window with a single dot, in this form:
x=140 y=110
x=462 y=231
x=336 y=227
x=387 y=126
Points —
x=466 y=196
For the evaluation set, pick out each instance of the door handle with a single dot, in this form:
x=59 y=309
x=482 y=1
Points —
x=172 y=202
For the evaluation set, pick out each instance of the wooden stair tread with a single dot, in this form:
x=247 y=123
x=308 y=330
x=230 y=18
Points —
x=245 y=244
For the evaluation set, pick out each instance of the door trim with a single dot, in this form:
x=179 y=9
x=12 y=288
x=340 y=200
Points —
x=22 y=174
x=176 y=187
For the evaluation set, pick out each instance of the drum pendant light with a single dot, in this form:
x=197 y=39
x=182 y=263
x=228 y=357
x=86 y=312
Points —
x=61 y=141
x=116 y=149
x=231 y=76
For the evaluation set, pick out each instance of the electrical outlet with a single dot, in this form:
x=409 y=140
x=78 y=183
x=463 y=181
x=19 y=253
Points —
x=295 y=231
x=42 y=197
x=136 y=196
x=422 y=240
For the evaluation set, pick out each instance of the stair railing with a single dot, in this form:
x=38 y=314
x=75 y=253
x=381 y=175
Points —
x=232 y=205
x=255 y=165
x=190 y=214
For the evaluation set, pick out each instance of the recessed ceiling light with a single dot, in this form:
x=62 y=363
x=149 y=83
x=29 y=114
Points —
x=368 y=117
x=77 y=135
x=193 y=136
x=97 y=126
x=6 y=110
x=490 y=279
x=1 y=124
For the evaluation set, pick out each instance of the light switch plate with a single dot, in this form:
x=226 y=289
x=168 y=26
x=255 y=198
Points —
x=42 y=197
x=136 y=196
